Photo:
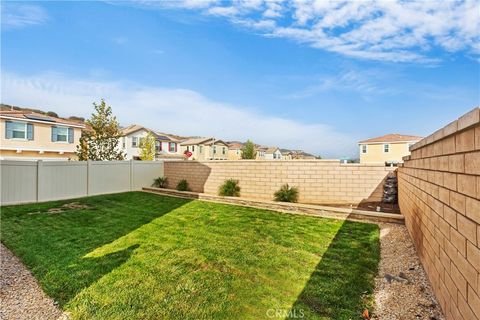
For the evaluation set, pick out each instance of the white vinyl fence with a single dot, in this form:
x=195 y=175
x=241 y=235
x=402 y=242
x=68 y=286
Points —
x=38 y=181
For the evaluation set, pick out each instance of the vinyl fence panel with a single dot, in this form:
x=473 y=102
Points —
x=39 y=181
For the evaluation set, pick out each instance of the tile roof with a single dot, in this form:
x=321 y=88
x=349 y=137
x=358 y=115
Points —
x=271 y=149
x=34 y=116
x=202 y=140
x=158 y=135
x=394 y=137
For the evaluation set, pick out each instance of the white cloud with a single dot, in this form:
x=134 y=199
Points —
x=17 y=15
x=379 y=30
x=179 y=111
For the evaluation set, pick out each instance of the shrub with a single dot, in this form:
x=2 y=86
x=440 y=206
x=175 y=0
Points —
x=160 y=182
x=183 y=185
x=286 y=194
x=229 y=188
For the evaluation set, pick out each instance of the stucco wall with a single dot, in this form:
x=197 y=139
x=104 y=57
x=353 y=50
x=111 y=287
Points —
x=42 y=140
x=375 y=152
x=319 y=181
x=439 y=193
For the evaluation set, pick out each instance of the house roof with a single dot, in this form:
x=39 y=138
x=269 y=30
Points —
x=158 y=135
x=271 y=149
x=235 y=145
x=38 y=117
x=393 y=137
x=203 y=140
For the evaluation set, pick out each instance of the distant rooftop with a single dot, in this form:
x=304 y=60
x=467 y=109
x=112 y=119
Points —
x=34 y=116
x=393 y=137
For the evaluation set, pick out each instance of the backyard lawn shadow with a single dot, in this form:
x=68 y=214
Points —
x=343 y=278
x=58 y=258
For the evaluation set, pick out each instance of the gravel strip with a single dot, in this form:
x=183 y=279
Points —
x=402 y=289
x=20 y=295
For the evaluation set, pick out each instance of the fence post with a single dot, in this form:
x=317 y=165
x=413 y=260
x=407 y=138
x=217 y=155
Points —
x=89 y=172
x=39 y=178
x=131 y=174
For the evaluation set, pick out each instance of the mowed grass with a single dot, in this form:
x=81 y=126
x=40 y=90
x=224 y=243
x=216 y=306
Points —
x=144 y=256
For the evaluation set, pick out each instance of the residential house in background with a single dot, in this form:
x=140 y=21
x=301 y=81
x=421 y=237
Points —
x=388 y=149
x=32 y=136
x=166 y=147
x=302 y=155
x=205 y=149
x=286 y=154
x=272 y=153
x=235 y=150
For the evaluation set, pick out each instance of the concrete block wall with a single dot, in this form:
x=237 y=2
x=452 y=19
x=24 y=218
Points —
x=439 y=195
x=319 y=181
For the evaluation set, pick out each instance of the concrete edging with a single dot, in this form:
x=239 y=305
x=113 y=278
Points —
x=296 y=208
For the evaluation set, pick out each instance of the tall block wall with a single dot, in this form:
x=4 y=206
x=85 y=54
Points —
x=319 y=181
x=439 y=193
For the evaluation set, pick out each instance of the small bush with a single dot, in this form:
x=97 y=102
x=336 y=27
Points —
x=183 y=185
x=229 y=188
x=286 y=194
x=160 y=182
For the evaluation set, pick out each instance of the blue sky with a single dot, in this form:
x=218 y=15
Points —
x=317 y=76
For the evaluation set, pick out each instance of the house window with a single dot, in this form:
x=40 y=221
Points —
x=134 y=142
x=62 y=134
x=223 y=150
x=364 y=148
x=386 y=148
x=16 y=130
x=172 y=147
x=193 y=148
x=200 y=149
x=238 y=151
x=214 y=149
x=158 y=146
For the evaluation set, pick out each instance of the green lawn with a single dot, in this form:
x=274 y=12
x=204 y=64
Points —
x=144 y=256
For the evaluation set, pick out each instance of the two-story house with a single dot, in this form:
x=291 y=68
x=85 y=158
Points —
x=133 y=135
x=388 y=149
x=205 y=149
x=27 y=135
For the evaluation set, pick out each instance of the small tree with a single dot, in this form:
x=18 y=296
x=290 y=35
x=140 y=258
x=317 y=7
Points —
x=248 y=150
x=100 y=140
x=147 y=147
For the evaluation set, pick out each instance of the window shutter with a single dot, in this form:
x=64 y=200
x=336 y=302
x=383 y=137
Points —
x=175 y=147
x=54 y=134
x=29 y=131
x=8 y=130
x=70 y=135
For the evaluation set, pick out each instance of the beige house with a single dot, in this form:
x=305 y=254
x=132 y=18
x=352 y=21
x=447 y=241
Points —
x=205 y=149
x=235 y=150
x=28 y=135
x=166 y=146
x=388 y=149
